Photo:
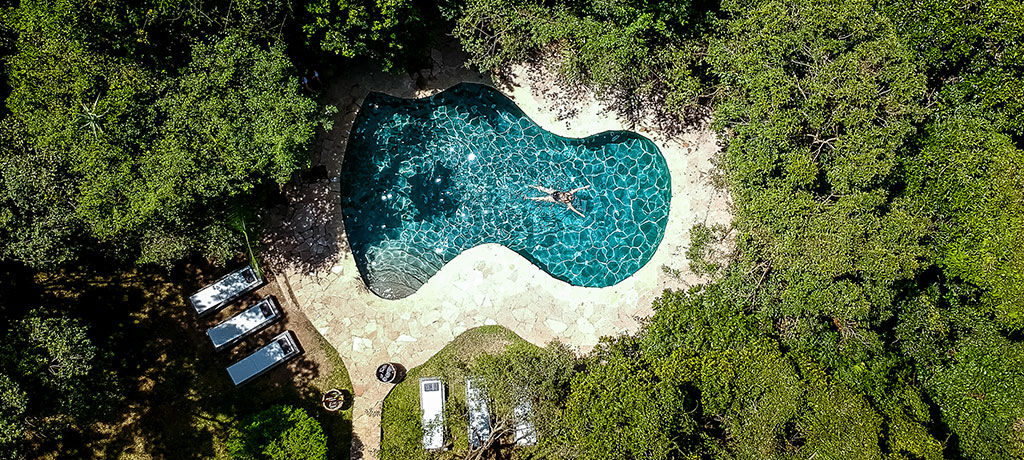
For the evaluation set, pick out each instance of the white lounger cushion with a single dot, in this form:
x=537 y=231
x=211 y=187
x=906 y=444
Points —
x=525 y=431
x=225 y=290
x=479 y=425
x=279 y=350
x=247 y=322
x=432 y=405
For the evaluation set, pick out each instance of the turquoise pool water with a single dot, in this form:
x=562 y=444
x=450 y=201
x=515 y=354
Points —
x=425 y=179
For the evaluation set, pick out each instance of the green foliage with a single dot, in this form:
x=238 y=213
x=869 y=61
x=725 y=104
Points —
x=906 y=424
x=54 y=355
x=384 y=30
x=839 y=423
x=981 y=393
x=234 y=119
x=970 y=370
x=36 y=221
x=13 y=404
x=619 y=409
x=973 y=50
x=843 y=203
x=626 y=50
x=746 y=387
x=150 y=32
x=701 y=253
x=970 y=177
x=500 y=32
x=50 y=379
x=143 y=165
x=279 y=433
x=525 y=372
x=53 y=86
x=625 y=46
x=755 y=401
x=817 y=102
x=705 y=318
x=243 y=105
x=55 y=349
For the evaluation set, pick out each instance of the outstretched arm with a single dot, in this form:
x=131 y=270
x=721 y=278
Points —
x=578 y=189
x=574 y=210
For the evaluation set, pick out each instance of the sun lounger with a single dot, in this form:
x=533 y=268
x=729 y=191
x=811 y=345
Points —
x=229 y=288
x=432 y=404
x=280 y=349
x=525 y=432
x=247 y=322
x=479 y=417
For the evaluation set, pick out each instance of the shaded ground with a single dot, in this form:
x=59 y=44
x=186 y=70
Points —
x=304 y=229
x=176 y=400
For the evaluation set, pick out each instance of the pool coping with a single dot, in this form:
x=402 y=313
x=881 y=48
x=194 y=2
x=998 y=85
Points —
x=609 y=137
x=487 y=284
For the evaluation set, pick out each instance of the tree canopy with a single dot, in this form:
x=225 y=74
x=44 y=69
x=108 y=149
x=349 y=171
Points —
x=279 y=433
x=51 y=378
x=872 y=150
x=139 y=157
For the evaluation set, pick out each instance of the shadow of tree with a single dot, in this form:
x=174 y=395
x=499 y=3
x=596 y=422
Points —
x=304 y=231
x=635 y=108
x=357 y=448
x=174 y=399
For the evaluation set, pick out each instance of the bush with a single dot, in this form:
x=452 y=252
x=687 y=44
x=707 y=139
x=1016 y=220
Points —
x=279 y=433
x=702 y=253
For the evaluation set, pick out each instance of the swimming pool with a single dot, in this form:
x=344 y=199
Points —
x=425 y=179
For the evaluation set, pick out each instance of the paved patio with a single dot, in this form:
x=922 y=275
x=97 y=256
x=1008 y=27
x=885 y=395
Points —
x=489 y=284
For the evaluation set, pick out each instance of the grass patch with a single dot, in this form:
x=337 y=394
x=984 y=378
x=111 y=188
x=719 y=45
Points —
x=400 y=420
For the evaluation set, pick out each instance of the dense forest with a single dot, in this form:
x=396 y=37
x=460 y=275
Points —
x=871 y=307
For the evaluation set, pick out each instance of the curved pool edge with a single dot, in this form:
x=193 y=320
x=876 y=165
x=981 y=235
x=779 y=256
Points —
x=517 y=108
x=536 y=269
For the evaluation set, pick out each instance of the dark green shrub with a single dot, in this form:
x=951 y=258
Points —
x=279 y=433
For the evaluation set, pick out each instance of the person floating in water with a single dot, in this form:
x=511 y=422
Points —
x=555 y=196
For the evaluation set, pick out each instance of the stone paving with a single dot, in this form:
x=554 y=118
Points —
x=488 y=284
